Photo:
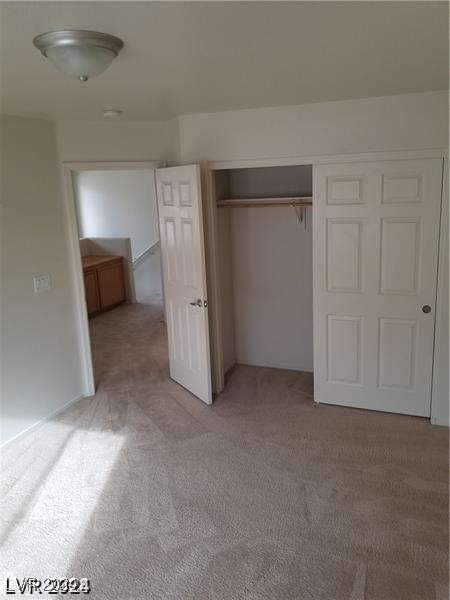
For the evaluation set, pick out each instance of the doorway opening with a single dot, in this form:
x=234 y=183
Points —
x=263 y=270
x=114 y=222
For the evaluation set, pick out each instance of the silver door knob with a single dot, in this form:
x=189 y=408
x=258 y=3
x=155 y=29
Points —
x=426 y=308
x=196 y=303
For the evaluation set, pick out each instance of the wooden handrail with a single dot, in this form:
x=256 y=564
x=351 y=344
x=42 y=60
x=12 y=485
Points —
x=151 y=250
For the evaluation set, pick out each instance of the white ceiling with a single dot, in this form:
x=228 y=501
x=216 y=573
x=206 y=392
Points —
x=182 y=58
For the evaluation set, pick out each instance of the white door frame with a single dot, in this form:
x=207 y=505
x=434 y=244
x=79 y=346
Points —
x=440 y=383
x=76 y=270
x=211 y=231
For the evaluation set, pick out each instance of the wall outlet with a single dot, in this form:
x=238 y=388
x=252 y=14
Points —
x=42 y=283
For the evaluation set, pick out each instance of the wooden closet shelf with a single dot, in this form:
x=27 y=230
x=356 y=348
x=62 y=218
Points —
x=265 y=202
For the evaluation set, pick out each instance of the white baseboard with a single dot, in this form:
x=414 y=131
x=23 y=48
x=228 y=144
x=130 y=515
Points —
x=438 y=421
x=42 y=421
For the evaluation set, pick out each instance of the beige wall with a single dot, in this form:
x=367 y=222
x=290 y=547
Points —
x=118 y=204
x=118 y=140
x=411 y=121
x=40 y=362
x=272 y=288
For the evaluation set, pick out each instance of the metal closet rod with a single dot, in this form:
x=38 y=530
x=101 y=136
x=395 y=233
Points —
x=302 y=201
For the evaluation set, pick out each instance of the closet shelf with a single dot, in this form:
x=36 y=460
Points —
x=266 y=202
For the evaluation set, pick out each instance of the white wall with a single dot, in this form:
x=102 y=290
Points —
x=117 y=204
x=122 y=204
x=40 y=361
x=272 y=285
x=118 y=140
x=226 y=316
x=148 y=277
x=270 y=182
x=410 y=121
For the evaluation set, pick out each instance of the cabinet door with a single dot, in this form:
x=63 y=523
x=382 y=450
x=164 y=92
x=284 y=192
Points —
x=111 y=284
x=91 y=292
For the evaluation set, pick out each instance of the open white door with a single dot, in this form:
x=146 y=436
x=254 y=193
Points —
x=376 y=235
x=184 y=276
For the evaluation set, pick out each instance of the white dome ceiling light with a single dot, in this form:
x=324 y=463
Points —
x=78 y=53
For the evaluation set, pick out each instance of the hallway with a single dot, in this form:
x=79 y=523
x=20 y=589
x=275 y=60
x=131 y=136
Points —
x=265 y=495
x=129 y=346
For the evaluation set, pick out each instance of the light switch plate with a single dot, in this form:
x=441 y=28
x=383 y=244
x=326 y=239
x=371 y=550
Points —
x=42 y=283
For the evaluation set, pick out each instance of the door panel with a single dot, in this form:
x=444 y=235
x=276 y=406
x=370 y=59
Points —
x=111 y=284
x=397 y=353
x=184 y=275
x=400 y=255
x=344 y=349
x=343 y=255
x=376 y=228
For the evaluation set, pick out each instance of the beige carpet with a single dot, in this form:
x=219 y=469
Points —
x=265 y=495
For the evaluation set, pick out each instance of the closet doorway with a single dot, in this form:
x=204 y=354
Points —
x=364 y=276
x=264 y=284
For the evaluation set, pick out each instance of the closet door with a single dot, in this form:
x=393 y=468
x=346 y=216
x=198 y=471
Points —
x=376 y=234
x=184 y=275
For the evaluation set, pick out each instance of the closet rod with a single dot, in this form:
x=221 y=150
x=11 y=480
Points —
x=302 y=201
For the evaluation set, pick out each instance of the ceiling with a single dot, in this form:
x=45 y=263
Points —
x=190 y=57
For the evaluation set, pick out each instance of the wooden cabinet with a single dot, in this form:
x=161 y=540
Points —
x=91 y=291
x=103 y=282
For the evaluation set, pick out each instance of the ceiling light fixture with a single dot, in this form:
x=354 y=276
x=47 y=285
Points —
x=78 y=53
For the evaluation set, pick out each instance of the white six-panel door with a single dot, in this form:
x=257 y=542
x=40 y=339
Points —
x=184 y=277
x=376 y=228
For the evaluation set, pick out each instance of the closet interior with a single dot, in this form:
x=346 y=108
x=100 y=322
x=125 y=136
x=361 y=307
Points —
x=264 y=268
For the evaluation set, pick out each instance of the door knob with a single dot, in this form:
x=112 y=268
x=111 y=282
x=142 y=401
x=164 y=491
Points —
x=196 y=303
x=426 y=308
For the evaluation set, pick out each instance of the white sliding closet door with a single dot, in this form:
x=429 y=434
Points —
x=184 y=276
x=376 y=235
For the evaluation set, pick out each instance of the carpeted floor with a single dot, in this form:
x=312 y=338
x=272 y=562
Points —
x=263 y=496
